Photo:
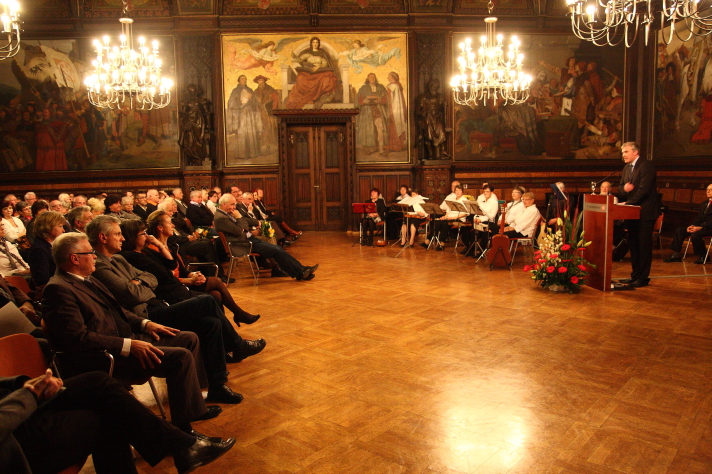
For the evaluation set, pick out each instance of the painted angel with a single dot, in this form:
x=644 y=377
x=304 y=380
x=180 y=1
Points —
x=257 y=54
x=370 y=53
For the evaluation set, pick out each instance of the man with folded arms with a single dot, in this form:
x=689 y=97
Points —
x=49 y=424
x=236 y=231
x=201 y=315
x=701 y=227
x=82 y=317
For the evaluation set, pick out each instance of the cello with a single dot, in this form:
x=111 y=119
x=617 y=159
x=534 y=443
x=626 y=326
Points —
x=498 y=254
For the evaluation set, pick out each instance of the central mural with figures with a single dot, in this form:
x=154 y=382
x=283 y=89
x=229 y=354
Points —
x=264 y=73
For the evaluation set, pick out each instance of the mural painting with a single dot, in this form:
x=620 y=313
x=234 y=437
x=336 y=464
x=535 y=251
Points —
x=263 y=73
x=574 y=111
x=683 y=98
x=48 y=124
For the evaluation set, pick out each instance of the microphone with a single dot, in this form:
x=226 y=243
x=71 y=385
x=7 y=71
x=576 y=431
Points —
x=595 y=184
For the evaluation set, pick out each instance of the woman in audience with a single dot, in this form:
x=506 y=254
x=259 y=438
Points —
x=37 y=207
x=112 y=205
x=14 y=228
x=11 y=263
x=97 y=206
x=24 y=212
x=414 y=218
x=368 y=223
x=212 y=201
x=48 y=226
x=164 y=264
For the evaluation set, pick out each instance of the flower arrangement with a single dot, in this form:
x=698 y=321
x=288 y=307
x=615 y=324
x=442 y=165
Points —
x=266 y=229
x=559 y=260
x=202 y=232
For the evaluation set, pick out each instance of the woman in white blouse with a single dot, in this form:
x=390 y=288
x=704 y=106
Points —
x=515 y=206
x=14 y=228
x=11 y=263
x=414 y=218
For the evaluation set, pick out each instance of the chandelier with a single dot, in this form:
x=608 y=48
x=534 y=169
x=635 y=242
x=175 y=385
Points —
x=490 y=73
x=10 y=28
x=610 y=22
x=124 y=77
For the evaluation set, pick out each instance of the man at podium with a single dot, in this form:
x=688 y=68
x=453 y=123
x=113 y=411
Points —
x=638 y=188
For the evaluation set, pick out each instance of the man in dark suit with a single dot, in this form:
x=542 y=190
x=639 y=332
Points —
x=141 y=206
x=701 y=227
x=638 y=188
x=237 y=231
x=89 y=414
x=182 y=208
x=197 y=213
x=258 y=197
x=83 y=316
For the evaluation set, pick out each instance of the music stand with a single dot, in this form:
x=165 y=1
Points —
x=362 y=208
x=462 y=211
x=399 y=209
x=407 y=214
x=432 y=209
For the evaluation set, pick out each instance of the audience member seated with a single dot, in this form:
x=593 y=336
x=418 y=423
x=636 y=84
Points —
x=82 y=315
x=701 y=227
x=38 y=207
x=177 y=195
x=368 y=223
x=237 y=231
x=141 y=206
x=79 y=217
x=14 y=228
x=258 y=197
x=11 y=262
x=201 y=315
x=97 y=207
x=30 y=198
x=556 y=206
x=196 y=212
x=24 y=212
x=414 y=218
x=606 y=190
x=48 y=226
x=212 y=201
x=12 y=294
x=441 y=225
x=254 y=217
x=523 y=224
x=151 y=253
x=153 y=199
x=79 y=200
x=49 y=424
x=113 y=206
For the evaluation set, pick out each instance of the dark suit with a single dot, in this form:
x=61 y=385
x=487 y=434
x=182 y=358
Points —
x=202 y=316
x=141 y=212
x=234 y=230
x=640 y=232
x=81 y=319
x=181 y=208
x=93 y=415
x=199 y=215
x=704 y=220
x=39 y=258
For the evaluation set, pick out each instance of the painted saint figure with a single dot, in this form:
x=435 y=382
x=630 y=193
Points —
x=398 y=114
x=373 y=116
x=244 y=120
x=316 y=78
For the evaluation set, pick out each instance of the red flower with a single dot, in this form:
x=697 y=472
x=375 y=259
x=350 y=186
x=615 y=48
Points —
x=542 y=260
x=537 y=253
x=565 y=247
x=574 y=279
x=550 y=269
x=527 y=268
x=563 y=269
x=554 y=255
x=582 y=267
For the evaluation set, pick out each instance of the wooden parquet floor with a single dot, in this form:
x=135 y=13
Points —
x=430 y=363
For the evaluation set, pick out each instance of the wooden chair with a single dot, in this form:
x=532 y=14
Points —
x=657 y=229
x=237 y=252
x=20 y=354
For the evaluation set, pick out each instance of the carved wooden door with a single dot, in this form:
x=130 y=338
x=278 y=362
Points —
x=316 y=183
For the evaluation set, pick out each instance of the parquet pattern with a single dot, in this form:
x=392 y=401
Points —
x=430 y=363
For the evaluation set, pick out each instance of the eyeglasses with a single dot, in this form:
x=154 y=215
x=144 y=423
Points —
x=93 y=252
x=142 y=233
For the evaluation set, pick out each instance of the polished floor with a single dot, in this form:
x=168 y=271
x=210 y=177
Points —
x=430 y=363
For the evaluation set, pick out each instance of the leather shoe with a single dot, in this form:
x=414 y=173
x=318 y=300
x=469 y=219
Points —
x=201 y=453
x=626 y=281
x=249 y=319
x=249 y=348
x=297 y=235
x=639 y=283
x=198 y=435
x=308 y=271
x=213 y=411
x=700 y=261
x=673 y=259
x=278 y=273
x=310 y=277
x=223 y=394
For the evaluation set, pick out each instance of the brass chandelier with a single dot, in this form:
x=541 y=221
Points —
x=10 y=17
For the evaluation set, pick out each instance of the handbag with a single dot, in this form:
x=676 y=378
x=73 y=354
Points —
x=23 y=243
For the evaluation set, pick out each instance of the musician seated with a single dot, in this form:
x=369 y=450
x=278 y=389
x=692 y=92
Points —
x=368 y=223
x=515 y=206
x=393 y=217
x=441 y=225
x=414 y=218
x=483 y=223
x=523 y=224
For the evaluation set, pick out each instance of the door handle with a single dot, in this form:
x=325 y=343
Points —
x=291 y=139
x=318 y=188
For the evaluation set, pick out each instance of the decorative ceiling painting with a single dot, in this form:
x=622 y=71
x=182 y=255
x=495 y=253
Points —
x=272 y=7
x=140 y=8
x=363 y=6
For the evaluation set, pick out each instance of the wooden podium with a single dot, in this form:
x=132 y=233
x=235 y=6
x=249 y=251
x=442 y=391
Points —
x=599 y=214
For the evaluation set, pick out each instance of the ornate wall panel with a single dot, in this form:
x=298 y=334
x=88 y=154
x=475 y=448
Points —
x=362 y=6
x=45 y=9
x=113 y=9
x=479 y=7
x=264 y=7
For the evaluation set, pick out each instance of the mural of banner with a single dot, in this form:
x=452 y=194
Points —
x=683 y=98
x=263 y=73
x=575 y=109
x=49 y=125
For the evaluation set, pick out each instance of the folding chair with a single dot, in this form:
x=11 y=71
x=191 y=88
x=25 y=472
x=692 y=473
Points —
x=237 y=251
x=709 y=247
